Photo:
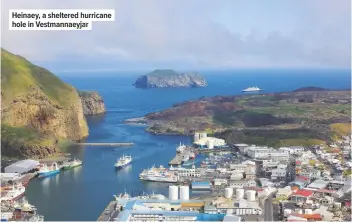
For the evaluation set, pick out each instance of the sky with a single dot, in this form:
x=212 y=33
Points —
x=196 y=34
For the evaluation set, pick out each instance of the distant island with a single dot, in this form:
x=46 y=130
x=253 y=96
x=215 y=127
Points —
x=302 y=117
x=167 y=78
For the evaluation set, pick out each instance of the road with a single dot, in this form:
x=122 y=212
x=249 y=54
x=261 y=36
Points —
x=268 y=209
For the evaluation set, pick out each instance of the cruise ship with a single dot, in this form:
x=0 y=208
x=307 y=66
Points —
x=158 y=175
x=252 y=89
x=123 y=161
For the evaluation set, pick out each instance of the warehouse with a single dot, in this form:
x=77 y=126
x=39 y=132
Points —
x=22 y=166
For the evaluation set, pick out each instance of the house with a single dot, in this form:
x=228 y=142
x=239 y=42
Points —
x=278 y=174
x=284 y=193
x=301 y=196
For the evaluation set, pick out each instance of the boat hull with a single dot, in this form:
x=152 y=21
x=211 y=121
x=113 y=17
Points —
x=122 y=166
x=71 y=167
x=252 y=90
x=161 y=180
x=46 y=174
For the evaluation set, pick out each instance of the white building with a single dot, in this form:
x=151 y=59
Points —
x=278 y=173
x=22 y=166
x=242 y=183
x=210 y=143
x=263 y=153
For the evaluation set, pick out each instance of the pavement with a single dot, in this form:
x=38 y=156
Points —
x=268 y=209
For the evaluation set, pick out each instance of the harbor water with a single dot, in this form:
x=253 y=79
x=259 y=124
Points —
x=82 y=193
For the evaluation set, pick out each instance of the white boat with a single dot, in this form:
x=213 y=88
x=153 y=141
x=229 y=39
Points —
x=123 y=161
x=252 y=89
x=72 y=164
x=158 y=175
x=25 y=207
x=180 y=148
x=15 y=193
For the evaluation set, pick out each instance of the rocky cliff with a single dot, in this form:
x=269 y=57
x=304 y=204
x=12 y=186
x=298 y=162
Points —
x=169 y=78
x=38 y=109
x=92 y=103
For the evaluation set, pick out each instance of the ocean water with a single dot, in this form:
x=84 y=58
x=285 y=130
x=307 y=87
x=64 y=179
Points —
x=82 y=193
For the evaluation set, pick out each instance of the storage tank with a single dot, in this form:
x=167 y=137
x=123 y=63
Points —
x=173 y=192
x=308 y=211
x=228 y=192
x=203 y=135
x=196 y=137
x=337 y=205
x=287 y=212
x=210 y=144
x=299 y=211
x=239 y=194
x=184 y=193
x=229 y=211
x=251 y=195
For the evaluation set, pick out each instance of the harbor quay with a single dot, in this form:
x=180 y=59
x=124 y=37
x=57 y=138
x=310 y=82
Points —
x=15 y=179
x=244 y=182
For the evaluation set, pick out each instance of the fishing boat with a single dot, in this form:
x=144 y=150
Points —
x=72 y=164
x=16 y=192
x=45 y=171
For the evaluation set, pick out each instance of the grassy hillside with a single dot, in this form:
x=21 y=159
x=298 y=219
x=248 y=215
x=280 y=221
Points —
x=279 y=119
x=18 y=76
x=37 y=109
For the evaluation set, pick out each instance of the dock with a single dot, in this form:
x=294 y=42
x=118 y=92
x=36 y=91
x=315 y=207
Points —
x=110 y=212
x=177 y=160
x=105 y=144
x=215 y=150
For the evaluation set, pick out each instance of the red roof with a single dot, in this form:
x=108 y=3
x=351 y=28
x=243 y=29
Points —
x=325 y=191
x=302 y=178
x=308 y=216
x=305 y=193
x=298 y=162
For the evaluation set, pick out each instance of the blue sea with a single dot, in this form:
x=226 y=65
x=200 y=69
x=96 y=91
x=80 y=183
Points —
x=83 y=193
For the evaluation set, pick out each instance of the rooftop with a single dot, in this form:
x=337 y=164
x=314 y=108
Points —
x=318 y=184
x=304 y=193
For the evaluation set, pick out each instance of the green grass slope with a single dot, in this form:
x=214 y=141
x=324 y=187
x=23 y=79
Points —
x=18 y=76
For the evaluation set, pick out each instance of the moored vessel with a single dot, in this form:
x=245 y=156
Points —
x=46 y=171
x=123 y=161
x=15 y=193
x=72 y=164
x=158 y=175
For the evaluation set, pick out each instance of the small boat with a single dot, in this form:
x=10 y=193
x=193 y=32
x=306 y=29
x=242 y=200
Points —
x=72 y=164
x=123 y=161
x=46 y=171
x=180 y=148
x=185 y=158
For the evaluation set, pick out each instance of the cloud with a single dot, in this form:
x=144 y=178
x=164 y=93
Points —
x=194 y=34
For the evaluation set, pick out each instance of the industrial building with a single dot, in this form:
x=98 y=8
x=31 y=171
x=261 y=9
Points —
x=264 y=152
x=201 y=140
x=22 y=166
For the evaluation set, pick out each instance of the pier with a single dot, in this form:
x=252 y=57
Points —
x=215 y=150
x=177 y=160
x=105 y=144
x=110 y=212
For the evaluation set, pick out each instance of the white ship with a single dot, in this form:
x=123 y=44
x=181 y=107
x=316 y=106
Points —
x=252 y=89
x=15 y=193
x=158 y=175
x=180 y=148
x=123 y=161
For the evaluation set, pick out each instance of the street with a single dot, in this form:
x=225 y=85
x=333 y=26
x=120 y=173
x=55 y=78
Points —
x=268 y=209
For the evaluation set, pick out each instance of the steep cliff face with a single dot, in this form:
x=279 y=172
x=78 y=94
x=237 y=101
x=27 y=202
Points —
x=37 y=109
x=169 y=78
x=92 y=103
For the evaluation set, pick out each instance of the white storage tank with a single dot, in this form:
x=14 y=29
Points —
x=210 y=144
x=203 y=135
x=229 y=211
x=299 y=211
x=228 y=192
x=184 y=193
x=287 y=212
x=196 y=137
x=239 y=194
x=251 y=195
x=308 y=211
x=173 y=192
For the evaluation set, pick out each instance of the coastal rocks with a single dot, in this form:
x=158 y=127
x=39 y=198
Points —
x=164 y=78
x=37 y=109
x=92 y=103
